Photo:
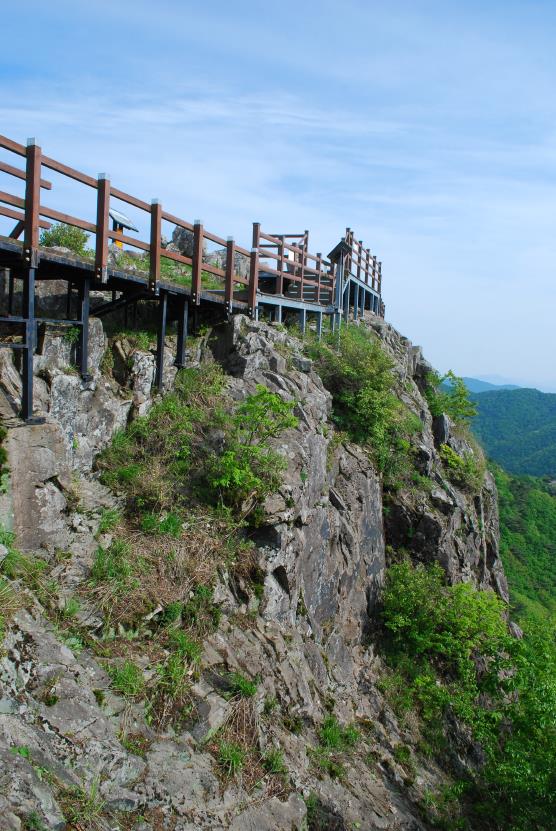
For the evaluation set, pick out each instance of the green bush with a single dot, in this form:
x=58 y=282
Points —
x=448 y=394
x=467 y=470
x=65 y=236
x=358 y=373
x=164 y=463
x=449 y=646
x=248 y=469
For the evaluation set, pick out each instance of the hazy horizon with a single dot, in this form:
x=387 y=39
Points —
x=430 y=131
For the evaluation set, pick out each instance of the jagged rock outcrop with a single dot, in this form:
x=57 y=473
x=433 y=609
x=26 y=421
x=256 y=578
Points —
x=321 y=551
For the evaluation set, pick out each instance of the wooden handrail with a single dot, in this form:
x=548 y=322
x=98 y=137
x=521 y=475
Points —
x=20 y=174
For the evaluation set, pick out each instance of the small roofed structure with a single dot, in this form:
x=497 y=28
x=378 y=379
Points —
x=120 y=222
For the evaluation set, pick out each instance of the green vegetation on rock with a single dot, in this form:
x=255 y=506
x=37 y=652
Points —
x=66 y=236
x=451 y=655
x=359 y=374
x=528 y=543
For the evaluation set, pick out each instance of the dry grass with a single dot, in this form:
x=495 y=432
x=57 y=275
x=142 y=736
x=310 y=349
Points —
x=241 y=728
x=165 y=569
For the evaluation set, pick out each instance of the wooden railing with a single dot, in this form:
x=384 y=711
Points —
x=293 y=264
x=362 y=264
x=307 y=277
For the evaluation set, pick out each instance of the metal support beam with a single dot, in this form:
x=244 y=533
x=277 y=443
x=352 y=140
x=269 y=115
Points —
x=278 y=313
x=68 y=299
x=84 y=333
x=120 y=303
x=11 y=279
x=355 y=301
x=27 y=373
x=161 y=337
x=302 y=320
x=183 y=316
x=319 y=325
x=346 y=302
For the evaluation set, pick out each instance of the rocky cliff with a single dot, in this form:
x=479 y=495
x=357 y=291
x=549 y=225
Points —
x=77 y=751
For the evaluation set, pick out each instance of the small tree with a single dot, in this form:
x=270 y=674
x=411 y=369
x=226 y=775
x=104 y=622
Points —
x=65 y=236
x=249 y=469
x=448 y=394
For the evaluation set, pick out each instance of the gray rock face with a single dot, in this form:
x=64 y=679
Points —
x=321 y=552
x=182 y=241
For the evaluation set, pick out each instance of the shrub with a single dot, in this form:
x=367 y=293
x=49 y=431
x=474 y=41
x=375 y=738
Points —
x=451 y=647
x=358 y=373
x=249 y=469
x=65 y=236
x=467 y=470
x=448 y=394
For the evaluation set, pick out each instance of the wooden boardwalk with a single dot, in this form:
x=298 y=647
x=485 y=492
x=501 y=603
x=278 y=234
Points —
x=276 y=274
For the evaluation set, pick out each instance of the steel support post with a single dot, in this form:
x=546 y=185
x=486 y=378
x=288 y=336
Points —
x=10 y=275
x=68 y=300
x=319 y=325
x=183 y=315
x=355 y=301
x=161 y=337
x=346 y=302
x=302 y=320
x=84 y=289
x=27 y=373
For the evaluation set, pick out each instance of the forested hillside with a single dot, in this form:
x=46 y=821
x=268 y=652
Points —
x=517 y=428
x=528 y=543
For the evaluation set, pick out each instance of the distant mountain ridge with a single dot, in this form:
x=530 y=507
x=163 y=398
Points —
x=517 y=428
x=476 y=385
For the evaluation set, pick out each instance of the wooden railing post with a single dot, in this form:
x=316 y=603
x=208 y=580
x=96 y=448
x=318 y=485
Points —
x=32 y=203
x=304 y=258
x=254 y=271
x=156 y=247
x=103 y=206
x=280 y=279
x=318 y=267
x=367 y=263
x=197 y=266
x=230 y=271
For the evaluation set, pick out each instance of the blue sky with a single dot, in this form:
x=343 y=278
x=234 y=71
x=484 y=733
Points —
x=428 y=127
